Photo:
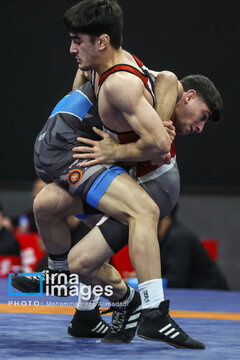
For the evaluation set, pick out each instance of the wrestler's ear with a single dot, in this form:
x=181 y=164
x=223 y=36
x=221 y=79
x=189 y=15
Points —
x=190 y=94
x=103 y=41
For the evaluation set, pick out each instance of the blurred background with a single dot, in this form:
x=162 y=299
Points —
x=187 y=38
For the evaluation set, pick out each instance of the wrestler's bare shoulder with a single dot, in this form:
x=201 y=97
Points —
x=123 y=84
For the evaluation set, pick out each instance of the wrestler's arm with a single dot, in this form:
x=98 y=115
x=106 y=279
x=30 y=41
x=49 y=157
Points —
x=168 y=91
x=168 y=76
x=126 y=94
x=104 y=150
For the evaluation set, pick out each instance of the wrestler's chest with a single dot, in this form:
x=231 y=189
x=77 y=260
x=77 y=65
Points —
x=110 y=116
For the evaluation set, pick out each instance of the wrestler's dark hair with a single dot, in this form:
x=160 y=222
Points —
x=96 y=17
x=207 y=91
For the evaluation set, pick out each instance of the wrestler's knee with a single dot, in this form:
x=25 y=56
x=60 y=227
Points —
x=39 y=206
x=45 y=204
x=147 y=210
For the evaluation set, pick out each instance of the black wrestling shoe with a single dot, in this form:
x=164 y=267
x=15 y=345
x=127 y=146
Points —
x=156 y=324
x=124 y=321
x=53 y=283
x=88 y=324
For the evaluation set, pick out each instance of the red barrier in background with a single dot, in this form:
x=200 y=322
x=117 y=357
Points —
x=31 y=251
x=9 y=264
x=211 y=246
x=121 y=261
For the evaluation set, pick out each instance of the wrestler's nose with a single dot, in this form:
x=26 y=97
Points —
x=200 y=126
x=73 y=49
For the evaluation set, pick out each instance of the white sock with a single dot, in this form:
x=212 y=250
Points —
x=57 y=264
x=151 y=293
x=86 y=304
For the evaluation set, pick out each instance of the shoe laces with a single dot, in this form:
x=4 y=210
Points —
x=118 y=317
x=44 y=274
x=37 y=277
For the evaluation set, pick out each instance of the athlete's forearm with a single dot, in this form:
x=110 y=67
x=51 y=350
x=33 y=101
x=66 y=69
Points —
x=108 y=150
x=137 y=152
x=166 y=93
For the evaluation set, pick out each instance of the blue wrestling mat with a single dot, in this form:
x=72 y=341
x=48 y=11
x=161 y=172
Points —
x=40 y=332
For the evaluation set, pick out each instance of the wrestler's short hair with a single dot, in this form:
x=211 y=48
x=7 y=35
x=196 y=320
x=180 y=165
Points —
x=96 y=17
x=207 y=91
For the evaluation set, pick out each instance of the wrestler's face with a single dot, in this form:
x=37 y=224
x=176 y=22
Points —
x=190 y=114
x=85 y=51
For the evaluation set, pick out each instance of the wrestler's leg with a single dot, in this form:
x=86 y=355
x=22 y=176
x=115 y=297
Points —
x=163 y=189
x=124 y=200
x=88 y=259
x=125 y=318
x=52 y=206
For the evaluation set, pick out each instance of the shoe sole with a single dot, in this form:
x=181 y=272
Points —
x=174 y=345
x=75 y=335
x=117 y=341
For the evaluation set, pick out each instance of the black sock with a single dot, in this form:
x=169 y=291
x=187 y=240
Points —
x=58 y=262
x=59 y=257
x=125 y=300
x=126 y=295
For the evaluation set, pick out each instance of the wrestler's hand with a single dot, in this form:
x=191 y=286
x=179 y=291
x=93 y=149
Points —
x=164 y=159
x=170 y=129
x=96 y=152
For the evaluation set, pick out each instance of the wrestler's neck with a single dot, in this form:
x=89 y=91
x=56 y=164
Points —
x=111 y=57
